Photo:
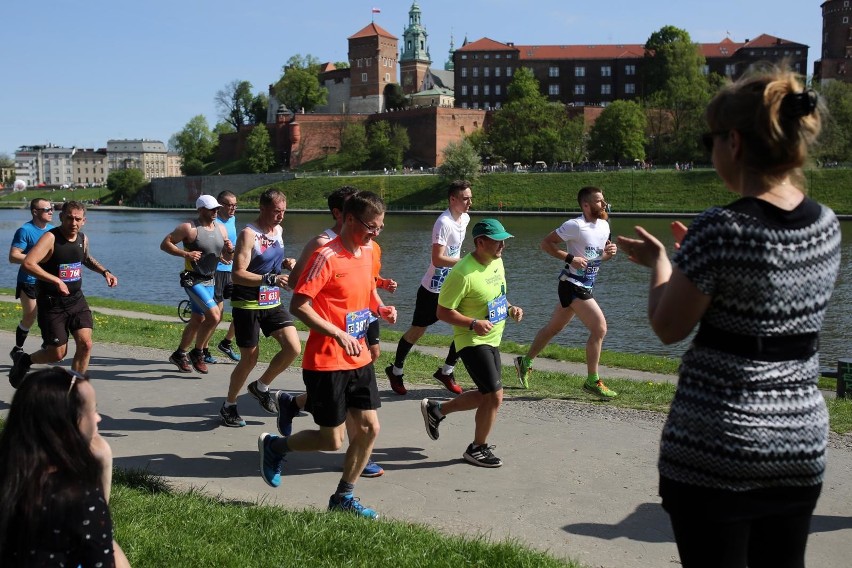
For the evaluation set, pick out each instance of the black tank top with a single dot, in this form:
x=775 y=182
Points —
x=66 y=262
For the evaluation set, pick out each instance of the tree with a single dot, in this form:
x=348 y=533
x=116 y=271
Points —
x=354 y=150
x=299 y=86
x=394 y=96
x=258 y=151
x=387 y=144
x=835 y=142
x=259 y=107
x=126 y=183
x=195 y=141
x=619 y=133
x=234 y=103
x=461 y=161
x=6 y=161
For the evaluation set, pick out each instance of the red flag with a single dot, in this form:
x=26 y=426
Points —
x=376 y=11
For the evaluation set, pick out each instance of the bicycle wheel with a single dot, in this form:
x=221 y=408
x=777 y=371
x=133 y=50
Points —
x=184 y=310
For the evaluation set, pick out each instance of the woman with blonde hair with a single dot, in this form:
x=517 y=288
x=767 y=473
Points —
x=742 y=455
x=55 y=476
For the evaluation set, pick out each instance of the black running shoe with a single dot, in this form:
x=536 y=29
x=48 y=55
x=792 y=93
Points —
x=231 y=417
x=20 y=368
x=430 y=417
x=266 y=399
x=482 y=456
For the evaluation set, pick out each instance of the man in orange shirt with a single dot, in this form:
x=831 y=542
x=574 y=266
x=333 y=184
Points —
x=334 y=297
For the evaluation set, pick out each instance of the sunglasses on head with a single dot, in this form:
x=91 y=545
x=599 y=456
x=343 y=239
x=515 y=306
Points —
x=73 y=375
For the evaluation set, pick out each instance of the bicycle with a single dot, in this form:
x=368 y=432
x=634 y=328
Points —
x=184 y=310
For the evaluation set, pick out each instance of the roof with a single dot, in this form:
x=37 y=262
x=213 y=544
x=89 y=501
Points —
x=486 y=44
x=551 y=52
x=437 y=91
x=372 y=30
x=724 y=48
x=766 y=40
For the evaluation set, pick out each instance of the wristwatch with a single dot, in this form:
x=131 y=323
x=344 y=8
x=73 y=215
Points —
x=472 y=324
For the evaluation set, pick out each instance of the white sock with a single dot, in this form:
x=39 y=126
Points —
x=397 y=371
x=448 y=369
x=229 y=404
x=262 y=387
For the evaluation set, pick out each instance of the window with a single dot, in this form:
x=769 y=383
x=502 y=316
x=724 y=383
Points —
x=363 y=77
x=486 y=90
x=486 y=71
x=629 y=88
x=508 y=56
x=387 y=77
x=464 y=105
x=508 y=71
x=606 y=89
x=579 y=89
x=629 y=69
x=705 y=70
x=475 y=105
x=464 y=56
x=496 y=71
x=486 y=56
x=497 y=90
x=498 y=105
x=553 y=89
x=476 y=90
x=580 y=71
x=606 y=71
x=464 y=72
x=496 y=56
x=553 y=71
x=476 y=71
x=369 y=61
x=464 y=90
x=730 y=69
x=845 y=19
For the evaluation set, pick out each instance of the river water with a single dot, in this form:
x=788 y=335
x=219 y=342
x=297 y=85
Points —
x=128 y=244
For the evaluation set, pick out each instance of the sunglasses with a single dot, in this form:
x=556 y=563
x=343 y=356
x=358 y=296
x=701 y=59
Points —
x=73 y=375
x=43 y=209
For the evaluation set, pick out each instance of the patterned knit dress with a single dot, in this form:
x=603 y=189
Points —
x=738 y=422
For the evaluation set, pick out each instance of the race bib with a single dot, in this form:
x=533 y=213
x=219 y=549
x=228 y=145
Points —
x=71 y=272
x=498 y=309
x=357 y=323
x=269 y=296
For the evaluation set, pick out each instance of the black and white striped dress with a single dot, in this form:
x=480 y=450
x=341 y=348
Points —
x=739 y=423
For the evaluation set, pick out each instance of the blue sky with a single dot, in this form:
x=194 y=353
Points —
x=80 y=73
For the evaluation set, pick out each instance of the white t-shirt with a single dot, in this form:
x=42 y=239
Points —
x=450 y=233
x=588 y=240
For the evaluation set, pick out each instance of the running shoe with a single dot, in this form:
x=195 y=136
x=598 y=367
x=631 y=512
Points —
x=20 y=368
x=599 y=388
x=523 y=365
x=266 y=399
x=429 y=410
x=482 y=456
x=208 y=358
x=449 y=381
x=196 y=357
x=372 y=469
x=350 y=504
x=182 y=362
x=231 y=417
x=271 y=464
x=395 y=381
x=286 y=411
x=227 y=349
x=14 y=350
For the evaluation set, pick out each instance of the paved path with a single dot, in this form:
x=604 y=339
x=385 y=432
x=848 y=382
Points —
x=579 y=480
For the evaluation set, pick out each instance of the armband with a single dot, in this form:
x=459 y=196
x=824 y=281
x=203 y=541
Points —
x=269 y=279
x=104 y=273
x=569 y=258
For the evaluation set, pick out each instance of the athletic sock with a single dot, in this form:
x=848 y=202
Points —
x=280 y=445
x=402 y=349
x=21 y=335
x=448 y=369
x=344 y=488
x=438 y=410
x=593 y=378
x=452 y=356
x=262 y=387
x=229 y=404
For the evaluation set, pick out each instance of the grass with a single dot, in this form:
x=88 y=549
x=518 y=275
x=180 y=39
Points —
x=160 y=527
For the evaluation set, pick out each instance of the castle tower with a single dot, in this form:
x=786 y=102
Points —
x=372 y=63
x=414 y=61
x=836 y=55
x=450 y=65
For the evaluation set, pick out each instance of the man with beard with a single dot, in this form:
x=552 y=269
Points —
x=588 y=243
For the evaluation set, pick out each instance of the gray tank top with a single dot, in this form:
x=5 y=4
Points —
x=210 y=242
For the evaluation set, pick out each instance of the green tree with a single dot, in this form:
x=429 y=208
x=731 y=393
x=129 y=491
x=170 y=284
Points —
x=461 y=161
x=234 y=103
x=835 y=142
x=354 y=150
x=387 y=144
x=126 y=183
x=299 y=86
x=195 y=141
x=619 y=133
x=258 y=150
x=259 y=107
x=394 y=96
x=6 y=161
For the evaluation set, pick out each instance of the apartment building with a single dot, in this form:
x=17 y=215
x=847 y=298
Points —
x=149 y=156
x=90 y=166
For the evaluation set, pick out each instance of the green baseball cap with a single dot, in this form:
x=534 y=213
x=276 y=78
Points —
x=491 y=228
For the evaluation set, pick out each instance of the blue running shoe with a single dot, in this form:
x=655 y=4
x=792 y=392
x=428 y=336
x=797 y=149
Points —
x=228 y=350
x=350 y=504
x=271 y=463
x=208 y=358
x=372 y=469
x=286 y=412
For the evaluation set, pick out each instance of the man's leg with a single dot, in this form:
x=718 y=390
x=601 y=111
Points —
x=593 y=318
x=190 y=331
x=28 y=316
x=288 y=339
x=366 y=429
x=486 y=415
x=83 y=341
x=210 y=320
x=248 y=360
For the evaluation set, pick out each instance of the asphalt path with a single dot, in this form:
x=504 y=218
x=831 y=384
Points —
x=578 y=481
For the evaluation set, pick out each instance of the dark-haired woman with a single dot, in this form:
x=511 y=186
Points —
x=742 y=455
x=55 y=476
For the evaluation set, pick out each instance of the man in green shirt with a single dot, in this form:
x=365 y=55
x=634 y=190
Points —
x=473 y=300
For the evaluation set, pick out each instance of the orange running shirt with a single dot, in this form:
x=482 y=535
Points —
x=340 y=287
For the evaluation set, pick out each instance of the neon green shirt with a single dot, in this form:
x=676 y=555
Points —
x=473 y=290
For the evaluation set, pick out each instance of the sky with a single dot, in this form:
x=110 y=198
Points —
x=81 y=73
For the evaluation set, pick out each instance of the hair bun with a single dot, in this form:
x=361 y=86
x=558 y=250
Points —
x=797 y=105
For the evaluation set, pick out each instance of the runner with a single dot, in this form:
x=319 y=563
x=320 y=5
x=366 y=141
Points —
x=588 y=243
x=447 y=237
x=24 y=240
x=289 y=406
x=223 y=283
x=204 y=244
x=256 y=303
x=473 y=300
x=57 y=262
x=334 y=298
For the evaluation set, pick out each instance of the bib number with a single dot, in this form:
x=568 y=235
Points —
x=498 y=309
x=357 y=323
x=71 y=272
x=269 y=296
